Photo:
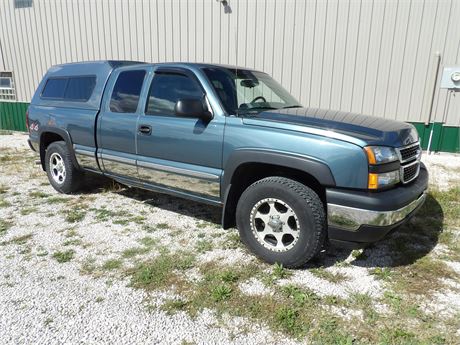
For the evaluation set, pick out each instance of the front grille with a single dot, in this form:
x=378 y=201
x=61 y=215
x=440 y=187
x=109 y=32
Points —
x=409 y=153
x=410 y=171
x=410 y=162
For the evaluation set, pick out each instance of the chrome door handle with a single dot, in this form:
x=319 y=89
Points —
x=145 y=129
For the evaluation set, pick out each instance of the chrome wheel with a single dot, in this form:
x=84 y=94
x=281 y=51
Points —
x=57 y=168
x=275 y=224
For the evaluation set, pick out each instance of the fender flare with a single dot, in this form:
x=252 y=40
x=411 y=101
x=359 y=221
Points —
x=63 y=134
x=319 y=170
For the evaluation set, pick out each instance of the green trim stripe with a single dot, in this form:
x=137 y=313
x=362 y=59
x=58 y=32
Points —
x=13 y=116
x=445 y=138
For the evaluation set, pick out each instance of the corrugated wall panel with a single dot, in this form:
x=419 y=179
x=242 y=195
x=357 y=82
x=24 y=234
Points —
x=375 y=57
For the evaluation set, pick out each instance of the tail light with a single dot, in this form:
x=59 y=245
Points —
x=27 y=119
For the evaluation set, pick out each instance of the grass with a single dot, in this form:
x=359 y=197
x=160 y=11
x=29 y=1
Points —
x=21 y=239
x=38 y=194
x=64 y=256
x=4 y=203
x=88 y=266
x=172 y=306
x=203 y=246
x=382 y=273
x=333 y=277
x=147 y=241
x=221 y=292
x=300 y=297
x=28 y=210
x=117 y=217
x=233 y=241
x=73 y=242
x=293 y=310
x=75 y=215
x=112 y=264
x=423 y=277
x=5 y=225
x=279 y=272
x=135 y=251
x=158 y=272
x=56 y=200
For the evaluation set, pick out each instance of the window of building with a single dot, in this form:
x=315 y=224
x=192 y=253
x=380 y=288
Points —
x=73 y=89
x=126 y=92
x=7 y=90
x=167 y=89
x=23 y=3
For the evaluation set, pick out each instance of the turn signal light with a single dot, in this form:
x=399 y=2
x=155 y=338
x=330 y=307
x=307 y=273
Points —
x=373 y=181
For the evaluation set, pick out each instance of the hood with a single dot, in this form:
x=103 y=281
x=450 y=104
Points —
x=369 y=130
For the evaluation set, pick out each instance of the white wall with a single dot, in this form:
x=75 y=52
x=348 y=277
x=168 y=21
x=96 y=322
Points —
x=375 y=57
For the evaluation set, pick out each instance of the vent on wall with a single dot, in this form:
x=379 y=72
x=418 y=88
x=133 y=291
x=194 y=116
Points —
x=7 y=90
x=23 y=3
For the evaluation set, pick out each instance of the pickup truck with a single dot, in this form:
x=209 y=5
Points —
x=291 y=179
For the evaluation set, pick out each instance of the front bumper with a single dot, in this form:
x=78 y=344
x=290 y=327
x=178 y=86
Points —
x=356 y=217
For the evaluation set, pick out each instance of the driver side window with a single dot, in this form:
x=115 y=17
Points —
x=166 y=89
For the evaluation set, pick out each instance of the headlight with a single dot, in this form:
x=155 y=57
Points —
x=380 y=158
x=380 y=154
x=381 y=180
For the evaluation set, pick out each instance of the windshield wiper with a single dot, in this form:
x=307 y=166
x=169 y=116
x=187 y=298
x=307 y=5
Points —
x=263 y=108
x=292 y=106
x=255 y=109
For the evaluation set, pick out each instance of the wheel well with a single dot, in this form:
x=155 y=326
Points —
x=248 y=173
x=45 y=140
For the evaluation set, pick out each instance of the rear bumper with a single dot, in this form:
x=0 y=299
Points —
x=356 y=218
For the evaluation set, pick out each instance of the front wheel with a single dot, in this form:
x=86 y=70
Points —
x=281 y=220
x=62 y=173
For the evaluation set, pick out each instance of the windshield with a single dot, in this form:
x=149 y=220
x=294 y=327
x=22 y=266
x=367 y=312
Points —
x=244 y=91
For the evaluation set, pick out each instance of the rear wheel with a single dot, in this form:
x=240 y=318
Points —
x=62 y=173
x=281 y=220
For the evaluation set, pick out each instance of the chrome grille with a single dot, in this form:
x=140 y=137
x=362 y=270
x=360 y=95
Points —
x=409 y=157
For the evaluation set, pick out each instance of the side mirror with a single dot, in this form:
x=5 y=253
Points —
x=193 y=107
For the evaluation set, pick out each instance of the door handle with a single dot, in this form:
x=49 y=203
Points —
x=145 y=129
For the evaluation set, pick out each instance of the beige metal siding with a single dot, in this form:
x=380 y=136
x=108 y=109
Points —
x=375 y=57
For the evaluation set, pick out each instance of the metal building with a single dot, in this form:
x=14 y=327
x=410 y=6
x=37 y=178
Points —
x=381 y=57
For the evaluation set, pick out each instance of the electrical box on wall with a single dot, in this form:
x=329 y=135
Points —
x=451 y=78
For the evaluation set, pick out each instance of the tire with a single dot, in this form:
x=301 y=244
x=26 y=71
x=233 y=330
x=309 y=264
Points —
x=294 y=229
x=62 y=173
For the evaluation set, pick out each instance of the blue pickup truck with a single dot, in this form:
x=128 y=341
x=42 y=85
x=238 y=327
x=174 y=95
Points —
x=290 y=178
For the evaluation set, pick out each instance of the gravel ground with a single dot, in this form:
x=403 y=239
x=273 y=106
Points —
x=45 y=301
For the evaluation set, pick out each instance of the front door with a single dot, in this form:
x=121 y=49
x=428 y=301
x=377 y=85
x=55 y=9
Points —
x=117 y=125
x=182 y=154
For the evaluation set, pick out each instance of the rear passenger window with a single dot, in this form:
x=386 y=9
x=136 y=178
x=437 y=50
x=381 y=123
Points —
x=69 y=88
x=126 y=92
x=167 y=89
x=55 y=88
x=80 y=89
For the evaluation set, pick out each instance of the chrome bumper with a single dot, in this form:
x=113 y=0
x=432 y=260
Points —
x=350 y=218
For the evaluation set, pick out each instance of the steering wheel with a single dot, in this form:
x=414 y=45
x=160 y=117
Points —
x=258 y=98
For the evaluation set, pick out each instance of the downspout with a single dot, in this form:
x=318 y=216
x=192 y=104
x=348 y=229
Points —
x=2 y=56
x=430 y=113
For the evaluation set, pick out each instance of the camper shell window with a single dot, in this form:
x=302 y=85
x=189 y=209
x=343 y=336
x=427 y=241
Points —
x=73 y=89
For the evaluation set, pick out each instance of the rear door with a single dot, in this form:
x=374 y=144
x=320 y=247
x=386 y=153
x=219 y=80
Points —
x=178 y=153
x=117 y=123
